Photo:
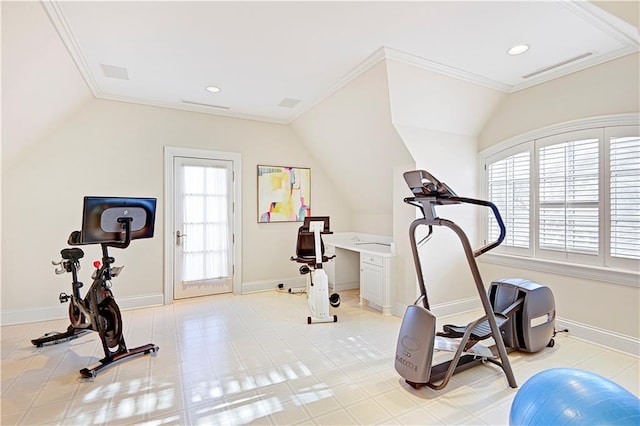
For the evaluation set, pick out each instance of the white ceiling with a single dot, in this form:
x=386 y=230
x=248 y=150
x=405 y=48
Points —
x=261 y=53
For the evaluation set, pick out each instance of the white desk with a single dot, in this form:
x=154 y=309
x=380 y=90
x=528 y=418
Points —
x=362 y=261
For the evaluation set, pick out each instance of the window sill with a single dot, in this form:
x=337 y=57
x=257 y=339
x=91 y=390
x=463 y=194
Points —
x=608 y=275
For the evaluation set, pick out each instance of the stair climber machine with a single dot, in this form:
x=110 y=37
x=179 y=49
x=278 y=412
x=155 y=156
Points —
x=110 y=222
x=310 y=252
x=518 y=314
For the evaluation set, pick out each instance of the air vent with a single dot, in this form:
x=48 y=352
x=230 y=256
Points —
x=205 y=105
x=112 y=71
x=558 y=65
x=289 y=103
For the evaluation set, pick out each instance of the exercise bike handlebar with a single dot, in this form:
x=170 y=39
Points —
x=75 y=239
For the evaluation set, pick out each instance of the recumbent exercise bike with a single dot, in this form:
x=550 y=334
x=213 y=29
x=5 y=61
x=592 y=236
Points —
x=310 y=252
x=110 y=222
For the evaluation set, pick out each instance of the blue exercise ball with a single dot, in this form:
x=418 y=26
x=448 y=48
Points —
x=567 y=396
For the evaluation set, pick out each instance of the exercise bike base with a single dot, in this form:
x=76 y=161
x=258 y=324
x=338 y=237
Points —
x=330 y=318
x=92 y=371
x=55 y=338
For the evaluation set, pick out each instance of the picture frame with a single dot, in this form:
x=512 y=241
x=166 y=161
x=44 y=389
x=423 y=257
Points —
x=284 y=193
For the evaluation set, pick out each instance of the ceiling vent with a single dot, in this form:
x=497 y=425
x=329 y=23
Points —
x=112 y=71
x=289 y=103
x=558 y=65
x=204 y=105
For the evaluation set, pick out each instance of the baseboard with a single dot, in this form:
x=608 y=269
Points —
x=444 y=309
x=267 y=285
x=24 y=316
x=600 y=336
x=344 y=286
x=576 y=329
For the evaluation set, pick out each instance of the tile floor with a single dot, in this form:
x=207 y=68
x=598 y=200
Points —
x=253 y=359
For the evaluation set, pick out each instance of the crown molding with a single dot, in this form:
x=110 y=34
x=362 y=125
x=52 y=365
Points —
x=194 y=108
x=361 y=68
x=384 y=54
x=406 y=58
x=615 y=27
x=573 y=68
x=60 y=23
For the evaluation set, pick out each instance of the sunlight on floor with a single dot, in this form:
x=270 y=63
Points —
x=253 y=359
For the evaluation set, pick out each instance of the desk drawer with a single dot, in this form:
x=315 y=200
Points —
x=371 y=259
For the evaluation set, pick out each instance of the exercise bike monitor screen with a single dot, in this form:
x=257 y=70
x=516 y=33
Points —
x=100 y=218
x=324 y=219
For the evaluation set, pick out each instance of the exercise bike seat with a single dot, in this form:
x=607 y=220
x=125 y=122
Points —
x=73 y=254
x=310 y=260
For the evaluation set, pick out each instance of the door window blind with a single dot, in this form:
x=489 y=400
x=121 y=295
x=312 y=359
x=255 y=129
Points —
x=206 y=223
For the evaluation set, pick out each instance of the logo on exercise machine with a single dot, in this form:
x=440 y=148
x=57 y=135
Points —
x=406 y=362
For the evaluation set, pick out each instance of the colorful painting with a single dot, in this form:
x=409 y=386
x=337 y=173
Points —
x=283 y=194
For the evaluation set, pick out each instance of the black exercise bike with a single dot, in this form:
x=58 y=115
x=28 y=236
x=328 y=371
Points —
x=111 y=222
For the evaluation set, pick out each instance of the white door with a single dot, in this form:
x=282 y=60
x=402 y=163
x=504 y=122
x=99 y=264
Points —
x=203 y=227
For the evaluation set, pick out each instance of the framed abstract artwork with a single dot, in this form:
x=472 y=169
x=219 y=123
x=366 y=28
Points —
x=284 y=194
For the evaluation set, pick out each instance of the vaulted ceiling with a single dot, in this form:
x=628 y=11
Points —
x=274 y=60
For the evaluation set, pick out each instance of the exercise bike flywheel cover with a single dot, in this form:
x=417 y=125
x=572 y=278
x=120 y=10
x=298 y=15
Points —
x=334 y=300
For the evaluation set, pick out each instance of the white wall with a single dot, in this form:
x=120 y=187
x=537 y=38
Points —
x=35 y=65
x=437 y=117
x=113 y=148
x=351 y=131
x=609 y=88
x=597 y=310
x=430 y=100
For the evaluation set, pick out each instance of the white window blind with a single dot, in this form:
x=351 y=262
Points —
x=509 y=189
x=569 y=196
x=624 y=166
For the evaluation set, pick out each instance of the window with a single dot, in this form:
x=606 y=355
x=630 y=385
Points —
x=205 y=194
x=572 y=197
x=569 y=196
x=624 y=196
x=509 y=188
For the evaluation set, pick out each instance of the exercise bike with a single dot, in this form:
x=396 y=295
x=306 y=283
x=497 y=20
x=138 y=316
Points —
x=110 y=222
x=518 y=314
x=310 y=252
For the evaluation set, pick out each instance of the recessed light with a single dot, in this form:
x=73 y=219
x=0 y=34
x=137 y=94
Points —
x=518 y=50
x=212 y=89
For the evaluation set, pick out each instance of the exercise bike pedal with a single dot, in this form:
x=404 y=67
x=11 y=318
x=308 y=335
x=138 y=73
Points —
x=64 y=298
x=480 y=332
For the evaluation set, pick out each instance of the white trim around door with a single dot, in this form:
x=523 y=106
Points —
x=170 y=152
